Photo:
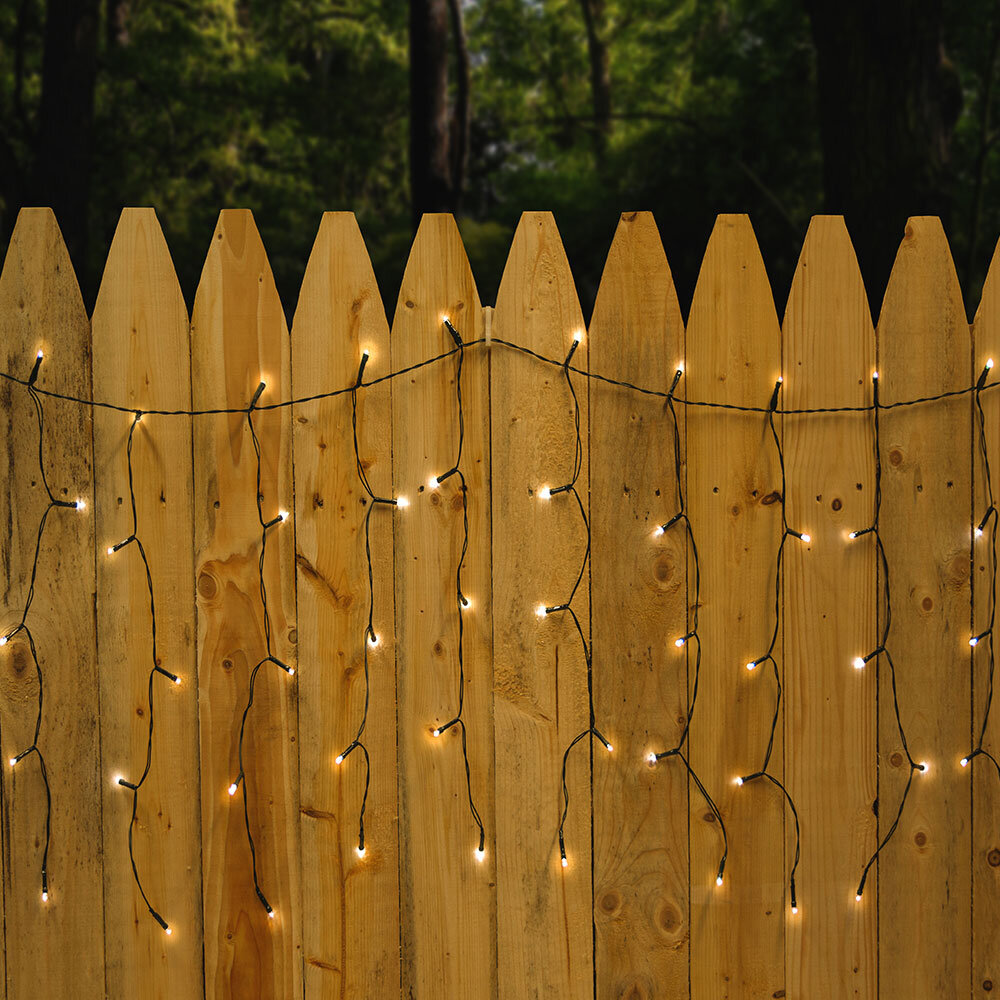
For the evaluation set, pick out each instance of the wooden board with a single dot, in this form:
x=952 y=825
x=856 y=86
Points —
x=640 y=605
x=829 y=617
x=447 y=898
x=924 y=348
x=984 y=777
x=54 y=948
x=142 y=359
x=240 y=338
x=732 y=356
x=351 y=913
x=546 y=915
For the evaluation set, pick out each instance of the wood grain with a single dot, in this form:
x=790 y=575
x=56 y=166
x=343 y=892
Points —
x=545 y=929
x=141 y=352
x=732 y=355
x=351 y=911
x=54 y=948
x=240 y=338
x=924 y=348
x=829 y=617
x=447 y=898
x=984 y=777
x=640 y=677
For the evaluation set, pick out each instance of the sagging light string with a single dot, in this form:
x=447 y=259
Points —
x=461 y=600
x=691 y=633
x=882 y=648
x=543 y=610
x=22 y=626
x=269 y=657
x=370 y=637
x=989 y=519
x=786 y=533
x=134 y=786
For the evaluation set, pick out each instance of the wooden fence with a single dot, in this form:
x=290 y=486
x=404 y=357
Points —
x=636 y=913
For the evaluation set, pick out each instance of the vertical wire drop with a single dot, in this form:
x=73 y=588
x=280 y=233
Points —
x=369 y=637
x=567 y=606
x=881 y=650
x=155 y=669
x=461 y=600
x=769 y=657
x=268 y=657
x=691 y=635
x=989 y=520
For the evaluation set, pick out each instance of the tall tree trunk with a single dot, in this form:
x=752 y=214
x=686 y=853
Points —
x=462 y=112
x=65 y=118
x=600 y=76
x=430 y=149
x=888 y=102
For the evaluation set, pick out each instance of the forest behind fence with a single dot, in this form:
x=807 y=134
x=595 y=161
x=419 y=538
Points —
x=599 y=872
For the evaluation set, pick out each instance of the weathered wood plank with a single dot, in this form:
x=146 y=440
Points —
x=924 y=348
x=545 y=919
x=141 y=357
x=240 y=339
x=829 y=617
x=640 y=606
x=447 y=897
x=55 y=947
x=732 y=356
x=351 y=914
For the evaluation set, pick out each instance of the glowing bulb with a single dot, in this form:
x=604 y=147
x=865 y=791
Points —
x=806 y=538
x=81 y=504
x=13 y=761
x=339 y=759
x=3 y=640
x=445 y=319
x=680 y=366
x=402 y=502
x=480 y=853
x=874 y=376
x=738 y=781
x=974 y=641
x=964 y=762
x=270 y=914
x=795 y=909
x=979 y=532
x=283 y=514
x=168 y=931
x=540 y=611
x=858 y=663
x=360 y=851
x=680 y=642
x=366 y=353
x=111 y=550
x=436 y=733
x=853 y=534
x=989 y=362
x=924 y=766
x=658 y=530
x=544 y=493
x=232 y=789
x=857 y=898
x=466 y=602
x=372 y=639
x=45 y=897
x=651 y=758
x=39 y=355
x=718 y=881
x=565 y=862
x=291 y=671
x=432 y=483
x=578 y=336
x=609 y=748
x=751 y=664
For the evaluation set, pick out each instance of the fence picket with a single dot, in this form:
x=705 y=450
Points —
x=640 y=608
x=240 y=339
x=141 y=358
x=56 y=948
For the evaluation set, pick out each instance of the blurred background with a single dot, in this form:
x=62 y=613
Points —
x=688 y=108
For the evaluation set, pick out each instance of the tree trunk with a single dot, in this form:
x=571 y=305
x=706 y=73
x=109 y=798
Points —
x=600 y=76
x=430 y=149
x=888 y=102
x=462 y=112
x=65 y=119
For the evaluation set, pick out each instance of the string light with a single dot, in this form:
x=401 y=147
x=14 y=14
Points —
x=681 y=517
x=460 y=599
x=269 y=657
x=786 y=533
x=989 y=520
x=133 y=787
x=882 y=648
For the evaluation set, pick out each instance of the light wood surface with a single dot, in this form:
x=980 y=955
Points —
x=640 y=608
x=351 y=905
x=240 y=339
x=924 y=873
x=57 y=945
x=141 y=353
x=733 y=343
x=447 y=897
x=829 y=618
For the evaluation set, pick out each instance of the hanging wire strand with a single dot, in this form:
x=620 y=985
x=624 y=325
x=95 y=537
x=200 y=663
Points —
x=369 y=638
x=769 y=657
x=462 y=602
x=882 y=650
x=156 y=668
x=269 y=657
x=989 y=520
x=691 y=634
x=22 y=626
